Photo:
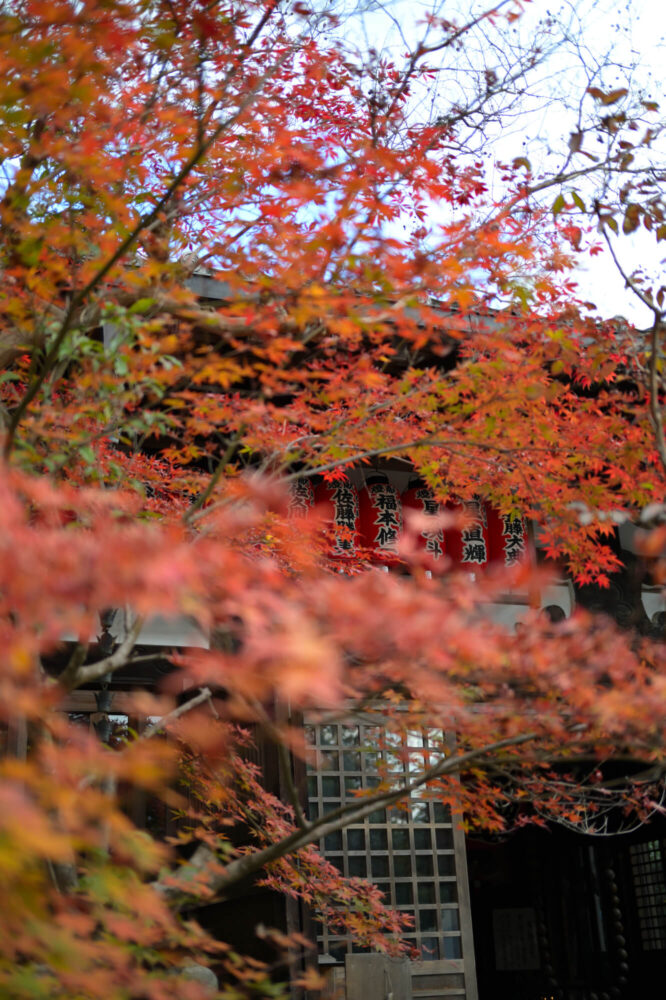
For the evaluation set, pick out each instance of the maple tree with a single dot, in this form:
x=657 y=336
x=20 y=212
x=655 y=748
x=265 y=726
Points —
x=370 y=302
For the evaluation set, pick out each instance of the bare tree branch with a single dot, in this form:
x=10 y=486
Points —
x=161 y=724
x=75 y=675
x=656 y=417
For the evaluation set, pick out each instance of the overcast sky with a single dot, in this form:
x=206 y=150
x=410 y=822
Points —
x=624 y=40
x=634 y=31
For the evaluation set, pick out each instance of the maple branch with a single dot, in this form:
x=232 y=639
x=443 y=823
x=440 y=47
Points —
x=219 y=881
x=77 y=659
x=562 y=177
x=199 y=502
x=144 y=223
x=74 y=675
x=348 y=419
x=423 y=50
x=394 y=449
x=629 y=282
x=448 y=122
x=204 y=695
x=424 y=442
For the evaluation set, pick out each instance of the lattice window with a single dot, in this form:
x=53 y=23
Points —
x=649 y=876
x=407 y=852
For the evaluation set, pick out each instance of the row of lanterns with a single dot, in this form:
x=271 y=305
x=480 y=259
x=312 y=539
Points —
x=372 y=519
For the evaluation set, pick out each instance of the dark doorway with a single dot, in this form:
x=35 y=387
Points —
x=562 y=916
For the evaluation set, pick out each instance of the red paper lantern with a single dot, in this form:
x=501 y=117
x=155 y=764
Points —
x=508 y=537
x=468 y=547
x=381 y=517
x=301 y=498
x=338 y=504
x=420 y=498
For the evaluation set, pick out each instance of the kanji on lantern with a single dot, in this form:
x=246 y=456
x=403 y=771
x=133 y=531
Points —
x=301 y=498
x=381 y=516
x=508 y=537
x=338 y=504
x=421 y=499
x=468 y=546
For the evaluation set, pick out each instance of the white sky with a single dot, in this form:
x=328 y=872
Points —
x=623 y=39
x=634 y=33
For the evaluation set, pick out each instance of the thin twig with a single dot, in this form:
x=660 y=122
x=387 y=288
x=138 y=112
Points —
x=204 y=695
x=423 y=442
x=214 y=479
